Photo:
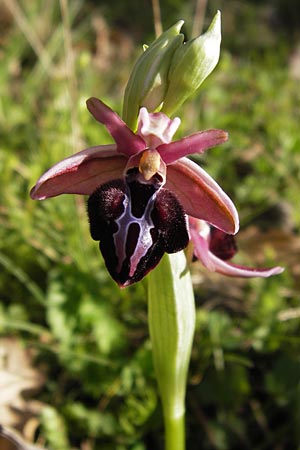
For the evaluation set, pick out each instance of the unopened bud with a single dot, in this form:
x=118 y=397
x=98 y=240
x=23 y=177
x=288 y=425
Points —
x=191 y=64
x=148 y=83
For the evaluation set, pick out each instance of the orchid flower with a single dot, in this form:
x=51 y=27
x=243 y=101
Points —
x=141 y=190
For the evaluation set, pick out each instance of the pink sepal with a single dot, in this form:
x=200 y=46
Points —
x=234 y=270
x=201 y=196
x=81 y=173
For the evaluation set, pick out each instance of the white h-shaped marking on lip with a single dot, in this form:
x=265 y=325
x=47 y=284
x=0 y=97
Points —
x=144 y=241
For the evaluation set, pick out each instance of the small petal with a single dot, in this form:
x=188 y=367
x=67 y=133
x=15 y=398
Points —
x=81 y=173
x=156 y=128
x=195 y=143
x=201 y=196
x=127 y=142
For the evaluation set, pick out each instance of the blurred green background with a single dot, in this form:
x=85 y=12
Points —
x=82 y=374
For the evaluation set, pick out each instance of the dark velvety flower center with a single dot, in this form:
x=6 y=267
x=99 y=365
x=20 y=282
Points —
x=135 y=223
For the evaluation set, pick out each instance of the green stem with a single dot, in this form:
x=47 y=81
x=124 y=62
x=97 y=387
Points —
x=171 y=326
x=175 y=433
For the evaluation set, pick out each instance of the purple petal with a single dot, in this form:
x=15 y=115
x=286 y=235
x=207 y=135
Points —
x=195 y=143
x=201 y=196
x=81 y=173
x=215 y=264
x=127 y=142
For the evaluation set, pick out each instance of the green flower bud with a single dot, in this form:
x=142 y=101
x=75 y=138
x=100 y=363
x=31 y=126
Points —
x=148 y=82
x=191 y=64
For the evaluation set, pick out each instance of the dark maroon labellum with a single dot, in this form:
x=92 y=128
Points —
x=135 y=223
x=221 y=244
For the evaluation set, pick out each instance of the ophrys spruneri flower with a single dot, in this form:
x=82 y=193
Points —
x=142 y=190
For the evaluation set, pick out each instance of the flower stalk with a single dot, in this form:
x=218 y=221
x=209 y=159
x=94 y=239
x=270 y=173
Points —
x=171 y=324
